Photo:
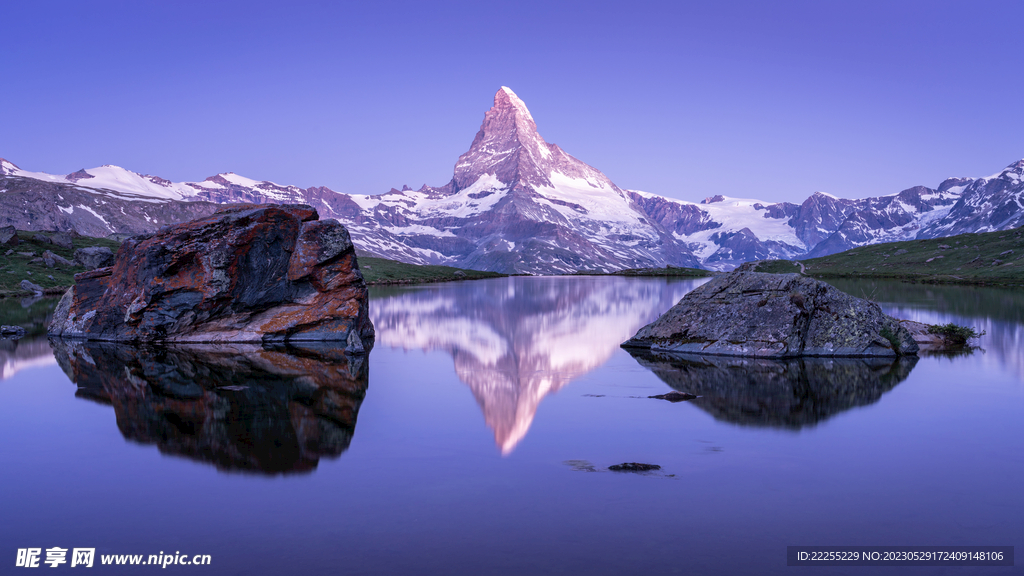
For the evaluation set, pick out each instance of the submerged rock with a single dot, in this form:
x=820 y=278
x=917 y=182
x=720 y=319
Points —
x=774 y=316
x=634 y=467
x=675 y=397
x=248 y=273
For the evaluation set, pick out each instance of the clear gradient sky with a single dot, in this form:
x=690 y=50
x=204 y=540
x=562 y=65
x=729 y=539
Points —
x=771 y=100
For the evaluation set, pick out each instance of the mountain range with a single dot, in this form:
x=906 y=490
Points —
x=519 y=204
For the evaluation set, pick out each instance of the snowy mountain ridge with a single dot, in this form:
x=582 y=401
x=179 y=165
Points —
x=517 y=203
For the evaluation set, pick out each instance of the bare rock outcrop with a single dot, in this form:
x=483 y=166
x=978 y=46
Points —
x=9 y=236
x=93 y=257
x=774 y=316
x=247 y=273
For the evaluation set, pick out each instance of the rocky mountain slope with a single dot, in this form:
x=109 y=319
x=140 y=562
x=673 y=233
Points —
x=517 y=203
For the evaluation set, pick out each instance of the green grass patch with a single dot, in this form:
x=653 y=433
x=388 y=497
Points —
x=958 y=335
x=889 y=335
x=989 y=258
x=384 y=271
x=18 y=266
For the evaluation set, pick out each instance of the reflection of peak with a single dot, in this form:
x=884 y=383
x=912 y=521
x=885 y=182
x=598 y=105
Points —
x=516 y=340
x=16 y=355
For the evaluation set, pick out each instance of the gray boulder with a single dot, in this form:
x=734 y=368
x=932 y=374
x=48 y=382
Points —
x=774 y=316
x=30 y=287
x=9 y=236
x=94 y=257
x=52 y=259
x=42 y=239
x=62 y=239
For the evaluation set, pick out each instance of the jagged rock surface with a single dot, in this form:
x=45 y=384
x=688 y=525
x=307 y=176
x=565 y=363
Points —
x=774 y=316
x=247 y=273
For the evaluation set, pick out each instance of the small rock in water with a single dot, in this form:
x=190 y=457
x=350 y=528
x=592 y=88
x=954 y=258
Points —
x=580 y=465
x=674 y=396
x=12 y=331
x=634 y=467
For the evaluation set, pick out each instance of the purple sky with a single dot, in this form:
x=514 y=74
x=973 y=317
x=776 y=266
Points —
x=769 y=100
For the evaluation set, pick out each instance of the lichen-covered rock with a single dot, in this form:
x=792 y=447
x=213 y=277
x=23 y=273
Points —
x=774 y=316
x=248 y=273
x=94 y=257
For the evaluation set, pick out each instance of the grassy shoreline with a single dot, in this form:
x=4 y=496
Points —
x=981 y=259
x=384 y=272
x=985 y=259
x=23 y=263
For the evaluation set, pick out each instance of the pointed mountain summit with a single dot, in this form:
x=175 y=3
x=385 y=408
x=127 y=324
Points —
x=509 y=147
x=518 y=204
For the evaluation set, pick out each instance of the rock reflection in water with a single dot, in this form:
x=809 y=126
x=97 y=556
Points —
x=778 y=393
x=516 y=340
x=242 y=408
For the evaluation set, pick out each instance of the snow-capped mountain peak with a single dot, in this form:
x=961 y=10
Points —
x=7 y=167
x=509 y=147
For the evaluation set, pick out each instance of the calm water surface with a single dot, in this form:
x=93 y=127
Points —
x=475 y=439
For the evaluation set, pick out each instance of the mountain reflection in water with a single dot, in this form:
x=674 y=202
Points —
x=792 y=393
x=516 y=340
x=242 y=408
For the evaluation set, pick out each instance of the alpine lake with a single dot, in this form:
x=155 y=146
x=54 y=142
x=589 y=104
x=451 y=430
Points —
x=476 y=438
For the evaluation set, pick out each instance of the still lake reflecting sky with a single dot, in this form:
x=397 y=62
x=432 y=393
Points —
x=285 y=461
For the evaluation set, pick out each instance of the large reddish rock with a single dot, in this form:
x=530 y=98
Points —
x=247 y=273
